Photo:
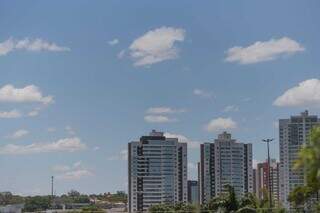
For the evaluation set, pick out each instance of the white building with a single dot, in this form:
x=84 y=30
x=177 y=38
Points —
x=225 y=162
x=293 y=133
x=157 y=168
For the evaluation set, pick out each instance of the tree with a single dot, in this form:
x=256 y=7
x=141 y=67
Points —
x=227 y=202
x=91 y=209
x=161 y=208
x=309 y=161
x=37 y=203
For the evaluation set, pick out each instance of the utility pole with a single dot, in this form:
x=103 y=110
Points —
x=52 y=187
x=269 y=170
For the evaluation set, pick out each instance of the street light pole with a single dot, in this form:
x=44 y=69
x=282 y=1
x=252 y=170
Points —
x=269 y=170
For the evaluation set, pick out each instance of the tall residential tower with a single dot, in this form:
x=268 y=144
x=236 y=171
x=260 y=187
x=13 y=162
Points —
x=225 y=162
x=293 y=133
x=157 y=168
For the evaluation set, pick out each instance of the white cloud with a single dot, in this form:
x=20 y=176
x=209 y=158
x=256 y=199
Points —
x=33 y=113
x=202 y=93
x=306 y=93
x=181 y=138
x=158 y=119
x=156 y=45
x=34 y=45
x=61 y=168
x=62 y=145
x=121 y=54
x=10 y=114
x=18 y=134
x=164 y=110
x=51 y=129
x=220 y=124
x=30 y=93
x=70 y=130
x=122 y=155
x=96 y=148
x=263 y=51
x=113 y=42
x=231 y=108
x=75 y=175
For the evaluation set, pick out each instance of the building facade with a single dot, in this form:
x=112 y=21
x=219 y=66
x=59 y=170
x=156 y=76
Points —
x=262 y=183
x=225 y=162
x=193 y=192
x=157 y=172
x=293 y=133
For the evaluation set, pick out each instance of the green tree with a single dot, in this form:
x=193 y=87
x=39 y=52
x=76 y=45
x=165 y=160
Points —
x=161 y=208
x=226 y=203
x=37 y=203
x=91 y=209
x=308 y=161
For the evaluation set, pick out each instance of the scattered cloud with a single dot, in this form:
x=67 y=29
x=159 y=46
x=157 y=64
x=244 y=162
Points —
x=263 y=51
x=61 y=168
x=51 y=129
x=33 y=113
x=158 y=119
x=34 y=45
x=121 y=54
x=202 y=93
x=220 y=124
x=156 y=46
x=70 y=130
x=62 y=145
x=181 y=138
x=10 y=114
x=75 y=175
x=164 y=110
x=113 y=42
x=122 y=155
x=18 y=134
x=231 y=108
x=306 y=93
x=96 y=148
x=30 y=93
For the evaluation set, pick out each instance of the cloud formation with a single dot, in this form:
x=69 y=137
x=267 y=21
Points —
x=156 y=46
x=74 y=172
x=158 y=119
x=164 y=110
x=220 y=124
x=306 y=93
x=231 y=108
x=62 y=145
x=19 y=134
x=181 y=138
x=202 y=93
x=30 y=93
x=113 y=42
x=35 y=45
x=263 y=51
x=10 y=114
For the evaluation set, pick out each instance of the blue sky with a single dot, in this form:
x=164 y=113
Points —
x=80 y=79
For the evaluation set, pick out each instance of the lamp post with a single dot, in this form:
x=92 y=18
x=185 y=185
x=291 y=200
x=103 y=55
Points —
x=269 y=171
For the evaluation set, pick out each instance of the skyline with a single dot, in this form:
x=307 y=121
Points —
x=81 y=80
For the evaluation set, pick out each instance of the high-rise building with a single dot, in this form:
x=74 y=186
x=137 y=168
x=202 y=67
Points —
x=293 y=133
x=157 y=168
x=193 y=192
x=262 y=180
x=225 y=162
